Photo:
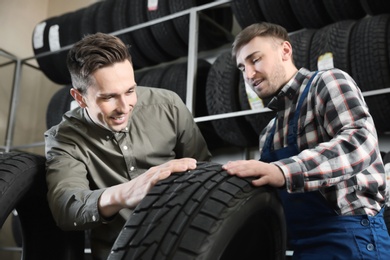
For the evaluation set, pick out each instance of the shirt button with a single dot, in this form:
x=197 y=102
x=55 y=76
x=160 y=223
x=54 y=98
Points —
x=107 y=137
x=93 y=218
x=365 y=222
x=132 y=168
x=370 y=247
x=125 y=147
x=75 y=224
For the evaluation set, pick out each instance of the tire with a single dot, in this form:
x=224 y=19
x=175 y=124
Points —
x=375 y=7
x=215 y=24
x=311 y=13
x=23 y=186
x=369 y=57
x=341 y=10
x=204 y=214
x=301 y=43
x=280 y=12
x=143 y=37
x=17 y=172
x=119 y=21
x=222 y=96
x=246 y=12
x=59 y=104
x=333 y=38
x=165 y=33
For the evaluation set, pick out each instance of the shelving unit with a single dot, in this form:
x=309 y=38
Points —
x=191 y=60
x=193 y=55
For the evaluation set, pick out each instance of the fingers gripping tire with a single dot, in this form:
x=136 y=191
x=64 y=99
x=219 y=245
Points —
x=204 y=214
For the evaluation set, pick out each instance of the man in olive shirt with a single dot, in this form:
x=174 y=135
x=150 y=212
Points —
x=106 y=154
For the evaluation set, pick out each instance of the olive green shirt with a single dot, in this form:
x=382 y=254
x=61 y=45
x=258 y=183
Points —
x=84 y=158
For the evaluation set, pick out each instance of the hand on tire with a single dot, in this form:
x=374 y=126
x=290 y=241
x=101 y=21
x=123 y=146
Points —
x=266 y=173
x=129 y=194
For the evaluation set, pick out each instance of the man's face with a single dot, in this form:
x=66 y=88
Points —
x=261 y=62
x=112 y=98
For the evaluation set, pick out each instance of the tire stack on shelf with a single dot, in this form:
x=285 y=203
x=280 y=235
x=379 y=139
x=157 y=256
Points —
x=152 y=45
x=354 y=32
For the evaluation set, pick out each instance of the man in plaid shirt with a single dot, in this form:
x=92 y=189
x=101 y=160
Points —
x=321 y=150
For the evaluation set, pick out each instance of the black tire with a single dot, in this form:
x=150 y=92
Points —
x=341 y=10
x=280 y=12
x=17 y=173
x=246 y=12
x=58 y=105
x=369 y=54
x=215 y=24
x=152 y=78
x=119 y=21
x=222 y=96
x=301 y=43
x=88 y=25
x=23 y=186
x=143 y=37
x=204 y=214
x=165 y=32
x=333 y=38
x=48 y=64
x=311 y=13
x=375 y=7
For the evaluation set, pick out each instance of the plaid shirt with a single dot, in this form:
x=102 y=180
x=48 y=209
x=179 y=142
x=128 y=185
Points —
x=339 y=154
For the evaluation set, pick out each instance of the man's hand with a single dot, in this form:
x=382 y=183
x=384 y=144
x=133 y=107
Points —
x=129 y=194
x=266 y=173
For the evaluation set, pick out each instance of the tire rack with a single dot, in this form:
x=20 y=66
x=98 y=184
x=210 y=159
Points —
x=191 y=71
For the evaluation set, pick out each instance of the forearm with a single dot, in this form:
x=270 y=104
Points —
x=111 y=201
x=75 y=209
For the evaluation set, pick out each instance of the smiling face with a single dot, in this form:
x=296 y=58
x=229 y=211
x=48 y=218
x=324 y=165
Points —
x=110 y=101
x=263 y=62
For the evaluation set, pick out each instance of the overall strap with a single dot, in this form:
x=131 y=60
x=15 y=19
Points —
x=293 y=123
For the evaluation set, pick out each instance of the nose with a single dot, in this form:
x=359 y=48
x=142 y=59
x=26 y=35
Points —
x=249 y=72
x=123 y=104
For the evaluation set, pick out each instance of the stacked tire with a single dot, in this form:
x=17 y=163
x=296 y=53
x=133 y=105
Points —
x=151 y=45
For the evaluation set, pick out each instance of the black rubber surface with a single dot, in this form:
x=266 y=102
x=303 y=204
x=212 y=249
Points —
x=204 y=214
x=23 y=187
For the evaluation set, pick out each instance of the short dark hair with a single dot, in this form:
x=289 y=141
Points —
x=93 y=52
x=258 y=29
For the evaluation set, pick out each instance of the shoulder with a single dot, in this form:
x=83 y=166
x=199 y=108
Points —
x=150 y=96
x=332 y=75
x=73 y=120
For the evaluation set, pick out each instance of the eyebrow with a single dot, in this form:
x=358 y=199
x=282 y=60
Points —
x=248 y=57
x=115 y=94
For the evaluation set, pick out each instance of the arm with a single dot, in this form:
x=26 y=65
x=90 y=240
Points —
x=129 y=194
x=345 y=144
x=74 y=205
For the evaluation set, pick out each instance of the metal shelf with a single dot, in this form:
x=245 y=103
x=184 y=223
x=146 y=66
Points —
x=191 y=60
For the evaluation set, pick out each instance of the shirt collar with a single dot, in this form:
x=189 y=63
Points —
x=107 y=133
x=288 y=91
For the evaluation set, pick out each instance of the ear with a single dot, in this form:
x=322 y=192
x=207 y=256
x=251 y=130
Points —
x=286 y=51
x=78 y=97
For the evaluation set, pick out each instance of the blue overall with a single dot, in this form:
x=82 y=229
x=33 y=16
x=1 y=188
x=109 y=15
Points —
x=315 y=230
